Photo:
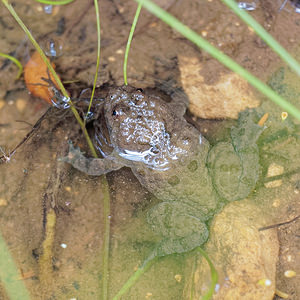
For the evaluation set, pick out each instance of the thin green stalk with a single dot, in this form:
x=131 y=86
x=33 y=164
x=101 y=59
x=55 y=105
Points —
x=98 y=57
x=10 y=277
x=273 y=44
x=106 y=238
x=14 y=60
x=135 y=276
x=52 y=71
x=221 y=57
x=104 y=183
x=36 y=45
x=106 y=204
x=213 y=274
x=136 y=17
x=58 y=2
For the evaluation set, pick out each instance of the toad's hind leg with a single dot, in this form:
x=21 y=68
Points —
x=181 y=230
x=90 y=166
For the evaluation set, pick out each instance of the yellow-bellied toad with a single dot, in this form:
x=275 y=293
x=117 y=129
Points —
x=176 y=163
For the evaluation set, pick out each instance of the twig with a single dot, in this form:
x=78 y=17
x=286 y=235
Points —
x=278 y=224
x=29 y=134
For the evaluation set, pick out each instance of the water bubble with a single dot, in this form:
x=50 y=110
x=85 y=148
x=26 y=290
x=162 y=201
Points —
x=48 y=9
x=52 y=47
x=89 y=116
x=59 y=100
x=247 y=6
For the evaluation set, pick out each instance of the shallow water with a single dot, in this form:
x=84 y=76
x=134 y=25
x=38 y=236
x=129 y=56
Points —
x=33 y=178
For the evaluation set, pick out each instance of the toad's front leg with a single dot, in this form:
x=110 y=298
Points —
x=90 y=166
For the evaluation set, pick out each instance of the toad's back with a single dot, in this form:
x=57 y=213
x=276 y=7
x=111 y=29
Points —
x=166 y=154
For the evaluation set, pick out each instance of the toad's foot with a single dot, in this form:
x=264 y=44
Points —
x=234 y=167
x=90 y=166
x=74 y=154
x=181 y=230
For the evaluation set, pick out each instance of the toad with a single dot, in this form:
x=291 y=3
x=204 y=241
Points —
x=175 y=162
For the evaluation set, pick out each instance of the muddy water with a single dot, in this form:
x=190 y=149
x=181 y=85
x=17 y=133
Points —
x=33 y=178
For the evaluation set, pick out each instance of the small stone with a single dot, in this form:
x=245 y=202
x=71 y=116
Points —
x=224 y=98
x=284 y=115
x=281 y=294
x=274 y=170
x=204 y=33
x=120 y=51
x=3 y=202
x=244 y=257
x=39 y=8
x=111 y=58
x=289 y=273
x=68 y=189
x=2 y=103
x=276 y=203
x=21 y=104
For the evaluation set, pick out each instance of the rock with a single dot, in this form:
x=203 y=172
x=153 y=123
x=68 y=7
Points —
x=21 y=104
x=3 y=202
x=244 y=257
x=222 y=99
x=2 y=103
x=274 y=170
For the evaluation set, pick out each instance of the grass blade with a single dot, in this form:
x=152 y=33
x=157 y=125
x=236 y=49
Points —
x=106 y=238
x=273 y=44
x=136 y=275
x=15 y=61
x=220 y=56
x=136 y=17
x=52 y=71
x=213 y=274
x=98 y=56
x=58 y=2
x=10 y=276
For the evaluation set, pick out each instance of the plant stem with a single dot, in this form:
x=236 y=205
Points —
x=14 y=60
x=98 y=57
x=136 y=17
x=213 y=274
x=135 y=276
x=106 y=200
x=58 y=2
x=106 y=241
x=10 y=277
x=52 y=71
x=273 y=44
x=220 y=56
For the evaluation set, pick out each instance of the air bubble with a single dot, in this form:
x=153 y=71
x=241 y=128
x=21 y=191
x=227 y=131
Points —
x=52 y=47
x=89 y=116
x=48 y=9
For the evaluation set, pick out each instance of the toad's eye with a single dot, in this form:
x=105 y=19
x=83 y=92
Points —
x=118 y=111
x=140 y=90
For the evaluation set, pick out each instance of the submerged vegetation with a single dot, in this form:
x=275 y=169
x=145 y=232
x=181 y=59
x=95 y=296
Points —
x=200 y=42
x=15 y=61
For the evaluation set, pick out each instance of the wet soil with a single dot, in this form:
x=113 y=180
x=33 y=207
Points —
x=27 y=188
